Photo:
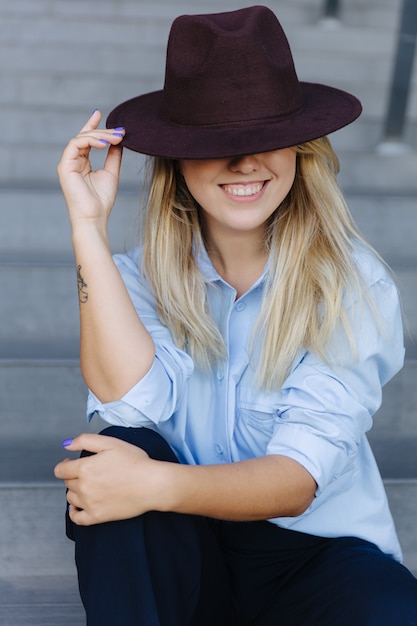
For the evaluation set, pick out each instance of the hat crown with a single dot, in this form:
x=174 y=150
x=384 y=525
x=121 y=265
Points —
x=229 y=68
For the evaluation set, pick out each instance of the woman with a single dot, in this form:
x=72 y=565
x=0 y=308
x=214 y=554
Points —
x=238 y=353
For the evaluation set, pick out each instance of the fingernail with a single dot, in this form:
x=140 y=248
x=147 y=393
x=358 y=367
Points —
x=67 y=442
x=94 y=110
x=104 y=141
x=117 y=134
x=120 y=128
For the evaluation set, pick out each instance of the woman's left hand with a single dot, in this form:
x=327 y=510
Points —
x=118 y=481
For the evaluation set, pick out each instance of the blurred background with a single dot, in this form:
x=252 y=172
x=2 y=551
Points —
x=59 y=60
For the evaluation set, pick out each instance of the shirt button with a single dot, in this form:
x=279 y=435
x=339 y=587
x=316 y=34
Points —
x=220 y=375
x=219 y=449
x=240 y=306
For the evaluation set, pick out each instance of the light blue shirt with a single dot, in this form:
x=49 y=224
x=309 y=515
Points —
x=319 y=417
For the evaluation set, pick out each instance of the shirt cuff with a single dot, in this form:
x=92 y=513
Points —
x=148 y=402
x=316 y=454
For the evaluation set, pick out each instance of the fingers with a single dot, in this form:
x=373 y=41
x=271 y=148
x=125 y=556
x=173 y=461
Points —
x=90 y=136
x=69 y=469
x=73 y=499
x=103 y=135
x=113 y=161
x=90 y=442
x=99 y=139
x=92 y=122
x=100 y=485
x=81 y=517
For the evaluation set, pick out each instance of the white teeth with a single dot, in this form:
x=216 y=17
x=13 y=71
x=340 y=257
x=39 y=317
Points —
x=243 y=191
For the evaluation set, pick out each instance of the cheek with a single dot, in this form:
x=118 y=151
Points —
x=199 y=185
x=193 y=179
x=291 y=176
x=288 y=170
x=195 y=188
x=289 y=161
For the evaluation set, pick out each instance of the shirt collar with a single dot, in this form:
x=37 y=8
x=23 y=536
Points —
x=211 y=275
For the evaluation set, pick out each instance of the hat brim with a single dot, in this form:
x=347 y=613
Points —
x=325 y=109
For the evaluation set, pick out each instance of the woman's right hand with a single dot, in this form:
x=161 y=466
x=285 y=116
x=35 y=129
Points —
x=89 y=194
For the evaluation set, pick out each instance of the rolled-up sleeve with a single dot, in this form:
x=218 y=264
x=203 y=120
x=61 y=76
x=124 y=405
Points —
x=152 y=400
x=155 y=397
x=326 y=408
x=319 y=424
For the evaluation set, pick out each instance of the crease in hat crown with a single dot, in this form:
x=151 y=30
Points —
x=230 y=88
x=240 y=63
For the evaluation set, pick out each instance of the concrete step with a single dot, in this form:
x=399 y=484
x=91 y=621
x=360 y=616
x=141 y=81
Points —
x=398 y=413
x=33 y=531
x=56 y=11
x=31 y=159
x=370 y=14
x=356 y=59
x=36 y=546
x=366 y=134
x=40 y=600
x=369 y=172
x=299 y=9
x=349 y=57
x=402 y=496
x=66 y=41
x=34 y=223
x=393 y=436
x=59 y=60
x=28 y=158
x=38 y=582
x=43 y=402
x=42 y=305
x=388 y=222
x=363 y=168
x=58 y=22
x=41 y=302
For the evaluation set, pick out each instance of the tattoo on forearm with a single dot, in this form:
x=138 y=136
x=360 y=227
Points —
x=82 y=287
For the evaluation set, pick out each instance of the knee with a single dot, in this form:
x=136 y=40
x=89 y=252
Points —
x=149 y=440
x=389 y=596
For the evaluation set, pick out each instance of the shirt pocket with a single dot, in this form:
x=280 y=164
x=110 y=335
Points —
x=256 y=415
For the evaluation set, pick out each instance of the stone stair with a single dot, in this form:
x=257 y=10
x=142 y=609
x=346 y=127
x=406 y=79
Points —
x=59 y=59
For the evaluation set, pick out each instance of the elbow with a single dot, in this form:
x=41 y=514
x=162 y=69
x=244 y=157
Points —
x=292 y=507
x=301 y=506
x=300 y=488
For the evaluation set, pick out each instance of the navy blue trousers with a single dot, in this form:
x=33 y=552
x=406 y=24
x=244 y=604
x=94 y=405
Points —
x=167 y=569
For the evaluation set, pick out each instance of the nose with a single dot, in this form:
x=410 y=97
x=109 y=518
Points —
x=244 y=164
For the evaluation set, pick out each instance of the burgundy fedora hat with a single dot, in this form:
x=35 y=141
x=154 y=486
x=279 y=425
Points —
x=230 y=89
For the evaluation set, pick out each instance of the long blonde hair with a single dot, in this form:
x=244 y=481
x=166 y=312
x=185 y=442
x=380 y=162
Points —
x=309 y=240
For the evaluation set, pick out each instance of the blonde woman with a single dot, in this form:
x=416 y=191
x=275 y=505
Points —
x=238 y=354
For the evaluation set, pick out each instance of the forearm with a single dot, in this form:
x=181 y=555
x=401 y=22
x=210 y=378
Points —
x=120 y=481
x=262 y=488
x=115 y=348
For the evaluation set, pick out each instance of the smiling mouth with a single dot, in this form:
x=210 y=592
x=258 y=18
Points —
x=243 y=190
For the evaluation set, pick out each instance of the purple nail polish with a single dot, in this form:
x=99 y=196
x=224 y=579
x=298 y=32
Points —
x=67 y=442
x=120 y=128
x=117 y=134
x=104 y=141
